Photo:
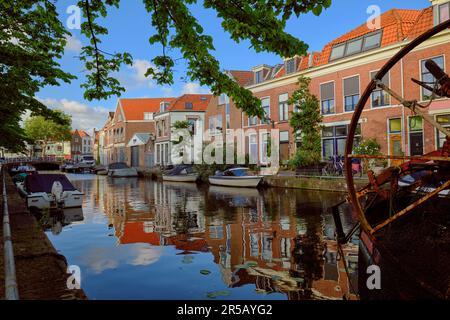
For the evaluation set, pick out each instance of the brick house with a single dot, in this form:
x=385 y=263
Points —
x=188 y=107
x=339 y=74
x=132 y=116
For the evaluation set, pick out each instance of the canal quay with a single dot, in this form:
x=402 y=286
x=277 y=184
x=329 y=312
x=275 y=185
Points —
x=136 y=238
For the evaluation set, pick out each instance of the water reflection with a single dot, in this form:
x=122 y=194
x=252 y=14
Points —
x=174 y=240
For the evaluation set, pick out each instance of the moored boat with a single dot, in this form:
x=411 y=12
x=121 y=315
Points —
x=47 y=191
x=181 y=173
x=121 y=170
x=235 y=177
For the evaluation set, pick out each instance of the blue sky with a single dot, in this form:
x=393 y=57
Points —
x=129 y=30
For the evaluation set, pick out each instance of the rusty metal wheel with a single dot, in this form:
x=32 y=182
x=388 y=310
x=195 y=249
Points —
x=385 y=185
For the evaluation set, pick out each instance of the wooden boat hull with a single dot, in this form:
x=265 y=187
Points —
x=239 y=182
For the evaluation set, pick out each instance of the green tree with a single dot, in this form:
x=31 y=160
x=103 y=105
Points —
x=38 y=128
x=32 y=39
x=306 y=124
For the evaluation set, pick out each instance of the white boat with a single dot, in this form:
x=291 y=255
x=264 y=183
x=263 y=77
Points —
x=182 y=173
x=47 y=191
x=235 y=177
x=121 y=170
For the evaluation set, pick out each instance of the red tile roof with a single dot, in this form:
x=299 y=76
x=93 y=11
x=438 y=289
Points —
x=83 y=133
x=395 y=23
x=423 y=23
x=243 y=78
x=199 y=102
x=134 y=109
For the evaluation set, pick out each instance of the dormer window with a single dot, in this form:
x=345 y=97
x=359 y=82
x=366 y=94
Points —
x=188 y=105
x=443 y=12
x=163 y=106
x=259 y=76
x=368 y=42
x=290 y=65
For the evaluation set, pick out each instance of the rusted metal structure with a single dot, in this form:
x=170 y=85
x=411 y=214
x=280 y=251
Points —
x=384 y=207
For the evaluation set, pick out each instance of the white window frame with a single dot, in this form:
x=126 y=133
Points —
x=420 y=70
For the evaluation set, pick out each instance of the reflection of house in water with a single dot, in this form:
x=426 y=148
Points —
x=273 y=242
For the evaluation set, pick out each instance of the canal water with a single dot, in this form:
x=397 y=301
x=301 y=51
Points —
x=142 y=239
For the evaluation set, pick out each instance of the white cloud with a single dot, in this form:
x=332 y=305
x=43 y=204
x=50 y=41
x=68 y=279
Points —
x=73 y=44
x=168 y=92
x=84 y=117
x=137 y=78
x=193 y=88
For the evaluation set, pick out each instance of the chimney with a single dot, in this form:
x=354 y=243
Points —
x=310 y=61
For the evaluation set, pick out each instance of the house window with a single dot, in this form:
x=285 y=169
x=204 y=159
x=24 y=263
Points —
x=265 y=104
x=264 y=157
x=427 y=77
x=188 y=105
x=380 y=98
x=158 y=154
x=283 y=107
x=252 y=121
x=223 y=99
x=215 y=125
x=259 y=76
x=395 y=125
x=354 y=46
x=337 y=52
x=372 y=41
x=290 y=66
x=351 y=93
x=148 y=116
x=334 y=139
x=443 y=12
x=163 y=106
x=228 y=115
x=327 y=98
x=443 y=120
x=253 y=149
x=284 y=136
x=192 y=125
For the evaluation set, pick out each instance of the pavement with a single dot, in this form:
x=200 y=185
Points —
x=40 y=270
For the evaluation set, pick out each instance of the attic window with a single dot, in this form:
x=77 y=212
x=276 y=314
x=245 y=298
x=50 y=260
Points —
x=259 y=76
x=369 y=41
x=290 y=66
x=203 y=98
x=188 y=105
x=443 y=12
x=163 y=106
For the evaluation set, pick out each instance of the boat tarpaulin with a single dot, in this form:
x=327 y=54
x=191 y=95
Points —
x=44 y=182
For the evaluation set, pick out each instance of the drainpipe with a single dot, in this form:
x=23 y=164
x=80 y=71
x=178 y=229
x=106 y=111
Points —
x=11 y=292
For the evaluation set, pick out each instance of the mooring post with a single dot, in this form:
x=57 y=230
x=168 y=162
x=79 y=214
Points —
x=11 y=291
x=338 y=223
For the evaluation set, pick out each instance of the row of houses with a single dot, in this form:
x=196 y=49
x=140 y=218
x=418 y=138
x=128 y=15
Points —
x=139 y=131
x=81 y=143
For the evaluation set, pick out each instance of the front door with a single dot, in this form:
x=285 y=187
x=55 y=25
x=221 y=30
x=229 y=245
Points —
x=395 y=143
x=416 y=143
x=135 y=156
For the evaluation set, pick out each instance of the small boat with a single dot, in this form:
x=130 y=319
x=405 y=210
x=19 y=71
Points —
x=235 y=177
x=181 y=173
x=47 y=191
x=121 y=170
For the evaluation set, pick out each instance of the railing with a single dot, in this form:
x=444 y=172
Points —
x=28 y=159
x=11 y=291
